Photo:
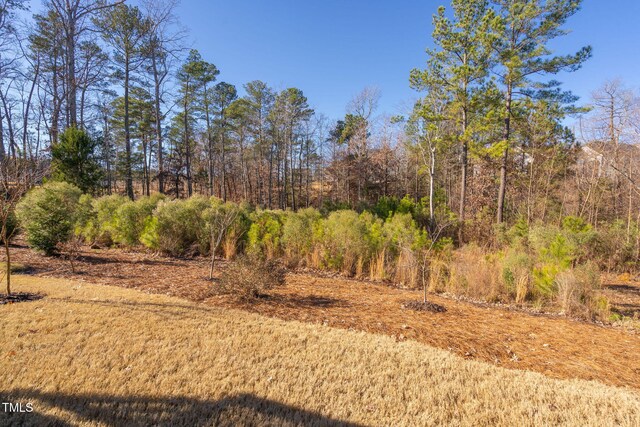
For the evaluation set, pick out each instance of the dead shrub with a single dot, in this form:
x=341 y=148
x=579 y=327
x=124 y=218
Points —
x=407 y=269
x=316 y=258
x=475 y=274
x=438 y=275
x=569 y=292
x=250 y=277
x=360 y=267
x=377 y=266
x=577 y=293
x=230 y=246
x=523 y=285
x=71 y=250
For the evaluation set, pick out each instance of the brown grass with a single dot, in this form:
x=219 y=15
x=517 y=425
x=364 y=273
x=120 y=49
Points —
x=474 y=274
x=377 y=266
x=407 y=269
x=554 y=346
x=89 y=355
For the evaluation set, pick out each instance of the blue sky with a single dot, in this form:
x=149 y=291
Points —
x=332 y=49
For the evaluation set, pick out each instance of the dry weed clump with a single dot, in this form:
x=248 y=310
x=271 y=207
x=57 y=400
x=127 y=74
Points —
x=250 y=277
x=438 y=278
x=523 y=285
x=512 y=276
x=97 y=355
x=577 y=293
x=377 y=270
x=407 y=269
x=475 y=274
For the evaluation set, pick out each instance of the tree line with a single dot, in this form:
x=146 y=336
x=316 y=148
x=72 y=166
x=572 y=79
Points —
x=105 y=95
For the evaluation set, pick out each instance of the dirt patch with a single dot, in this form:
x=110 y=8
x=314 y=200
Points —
x=556 y=347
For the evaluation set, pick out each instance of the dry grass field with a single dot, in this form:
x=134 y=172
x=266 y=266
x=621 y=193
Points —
x=555 y=346
x=100 y=355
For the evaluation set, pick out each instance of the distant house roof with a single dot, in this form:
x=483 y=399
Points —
x=606 y=155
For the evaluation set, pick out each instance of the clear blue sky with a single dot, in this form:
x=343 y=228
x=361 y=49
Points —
x=331 y=49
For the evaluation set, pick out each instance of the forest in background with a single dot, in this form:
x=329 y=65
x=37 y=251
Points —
x=486 y=140
x=105 y=96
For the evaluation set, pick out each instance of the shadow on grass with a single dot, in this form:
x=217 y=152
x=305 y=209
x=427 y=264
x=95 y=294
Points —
x=17 y=297
x=182 y=310
x=309 y=301
x=160 y=309
x=95 y=259
x=241 y=409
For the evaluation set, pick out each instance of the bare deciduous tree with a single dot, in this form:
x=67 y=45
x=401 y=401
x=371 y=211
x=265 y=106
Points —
x=17 y=176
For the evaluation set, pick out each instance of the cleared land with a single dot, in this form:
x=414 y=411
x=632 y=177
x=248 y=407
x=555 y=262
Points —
x=90 y=354
x=557 y=347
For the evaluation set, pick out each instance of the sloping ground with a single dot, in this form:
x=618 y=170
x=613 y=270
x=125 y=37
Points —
x=98 y=355
x=557 y=347
x=554 y=346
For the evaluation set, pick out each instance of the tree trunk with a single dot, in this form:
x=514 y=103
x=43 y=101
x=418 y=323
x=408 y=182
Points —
x=127 y=132
x=8 y=266
x=224 y=164
x=213 y=259
x=432 y=174
x=27 y=108
x=2 y=150
x=270 y=189
x=463 y=175
x=157 y=95
x=107 y=149
x=7 y=114
x=71 y=72
x=187 y=144
x=211 y=165
x=505 y=157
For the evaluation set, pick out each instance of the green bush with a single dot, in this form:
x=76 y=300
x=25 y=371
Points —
x=11 y=226
x=265 y=233
x=517 y=265
x=329 y=206
x=130 y=217
x=518 y=233
x=177 y=227
x=74 y=160
x=385 y=207
x=581 y=237
x=48 y=214
x=298 y=233
x=346 y=240
x=401 y=232
x=86 y=217
x=615 y=247
x=99 y=226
